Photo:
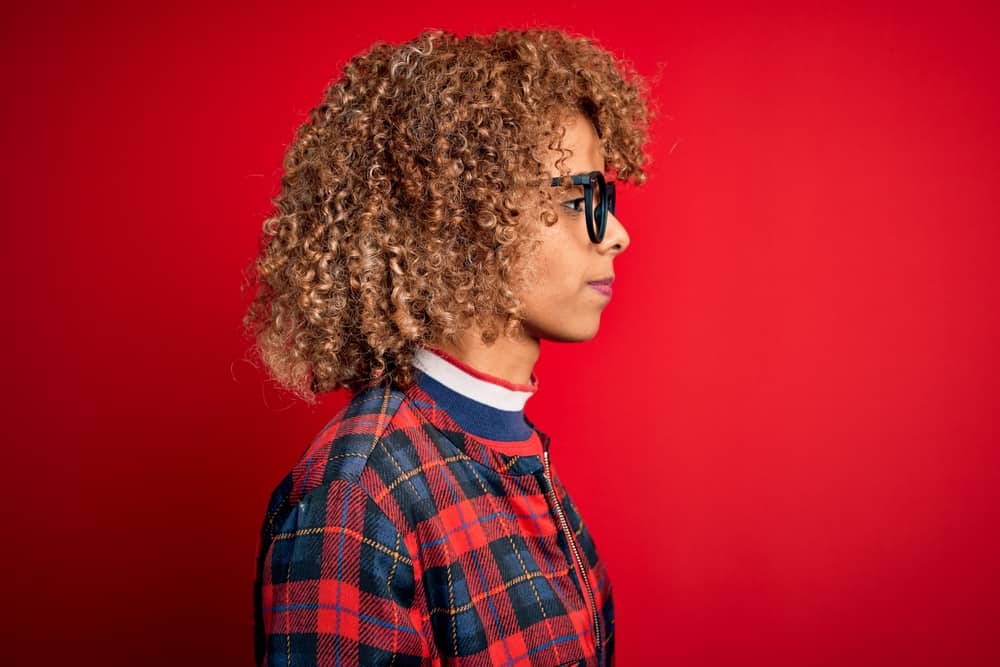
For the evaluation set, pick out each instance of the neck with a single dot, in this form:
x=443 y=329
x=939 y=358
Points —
x=511 y=359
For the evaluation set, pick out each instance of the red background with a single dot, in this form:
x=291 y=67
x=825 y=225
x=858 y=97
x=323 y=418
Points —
x=795 y=382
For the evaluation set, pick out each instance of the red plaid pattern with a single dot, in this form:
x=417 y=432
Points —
x=400 y=539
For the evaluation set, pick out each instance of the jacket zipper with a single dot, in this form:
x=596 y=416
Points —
x=576 y=555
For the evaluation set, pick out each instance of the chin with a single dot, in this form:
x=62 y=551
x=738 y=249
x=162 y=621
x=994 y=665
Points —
x=568 y=331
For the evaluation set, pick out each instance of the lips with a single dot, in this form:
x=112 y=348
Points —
x=605 y=282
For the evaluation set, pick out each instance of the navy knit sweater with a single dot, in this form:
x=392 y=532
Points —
x=486 y=406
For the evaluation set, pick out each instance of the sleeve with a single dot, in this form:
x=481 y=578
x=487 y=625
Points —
x=338 y=586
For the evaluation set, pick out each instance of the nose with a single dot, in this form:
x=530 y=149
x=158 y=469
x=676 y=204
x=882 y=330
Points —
x=615 y=236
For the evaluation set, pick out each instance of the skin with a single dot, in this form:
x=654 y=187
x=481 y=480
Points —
x=561 y=306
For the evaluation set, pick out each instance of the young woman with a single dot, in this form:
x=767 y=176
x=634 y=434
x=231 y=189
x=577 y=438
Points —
x=446 y=208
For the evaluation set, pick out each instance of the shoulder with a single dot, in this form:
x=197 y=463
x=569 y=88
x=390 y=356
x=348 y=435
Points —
x=353 y=446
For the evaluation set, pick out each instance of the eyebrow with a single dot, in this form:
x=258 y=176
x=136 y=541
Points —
x=578 y=186
x=580 y=173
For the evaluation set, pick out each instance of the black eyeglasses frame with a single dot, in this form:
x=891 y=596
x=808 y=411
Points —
x=597 y=221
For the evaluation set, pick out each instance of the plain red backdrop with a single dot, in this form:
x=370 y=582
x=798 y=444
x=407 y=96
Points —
x=795 y=381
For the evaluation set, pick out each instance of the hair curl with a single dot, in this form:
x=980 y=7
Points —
x=398 y=220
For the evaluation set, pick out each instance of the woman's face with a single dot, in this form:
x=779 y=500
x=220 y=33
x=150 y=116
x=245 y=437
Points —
x=559 y=304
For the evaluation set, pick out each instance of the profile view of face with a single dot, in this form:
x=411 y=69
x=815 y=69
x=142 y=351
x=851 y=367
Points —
x=560 y=305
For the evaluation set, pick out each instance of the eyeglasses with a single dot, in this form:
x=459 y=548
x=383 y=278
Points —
x=597 y=218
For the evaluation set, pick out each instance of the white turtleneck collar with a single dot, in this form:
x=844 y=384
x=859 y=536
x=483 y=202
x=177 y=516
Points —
x=481 y=387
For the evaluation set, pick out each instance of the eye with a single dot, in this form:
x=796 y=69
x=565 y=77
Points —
x=576 y=205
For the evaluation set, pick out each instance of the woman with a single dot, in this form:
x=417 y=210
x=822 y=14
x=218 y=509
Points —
x=443 y=211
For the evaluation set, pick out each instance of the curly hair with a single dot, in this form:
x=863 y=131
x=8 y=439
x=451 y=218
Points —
x=400 y=216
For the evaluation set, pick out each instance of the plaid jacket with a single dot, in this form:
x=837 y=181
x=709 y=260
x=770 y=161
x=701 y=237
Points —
x=400 y=539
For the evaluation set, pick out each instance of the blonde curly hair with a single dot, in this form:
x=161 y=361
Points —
x=399 y=219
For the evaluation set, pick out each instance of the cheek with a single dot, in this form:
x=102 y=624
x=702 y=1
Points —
x=561 y=278
x=559 y=265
